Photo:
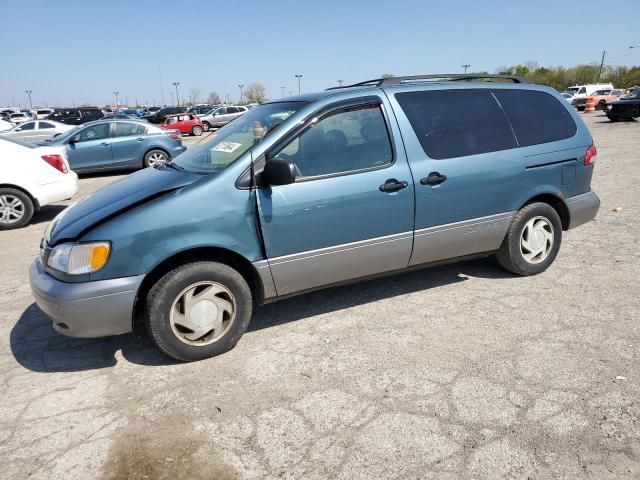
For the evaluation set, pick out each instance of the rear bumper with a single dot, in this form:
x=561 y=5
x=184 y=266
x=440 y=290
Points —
x=582 y=208
x=62 y=189
x=177 y=151
x=87 y=309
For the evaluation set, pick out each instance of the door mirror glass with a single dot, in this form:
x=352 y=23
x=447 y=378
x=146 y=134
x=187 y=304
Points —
x=278 y=172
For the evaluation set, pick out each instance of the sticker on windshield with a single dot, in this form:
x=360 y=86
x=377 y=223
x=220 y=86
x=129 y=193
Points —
x=227 y=147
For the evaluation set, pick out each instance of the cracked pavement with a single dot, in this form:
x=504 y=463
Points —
x=461 y=371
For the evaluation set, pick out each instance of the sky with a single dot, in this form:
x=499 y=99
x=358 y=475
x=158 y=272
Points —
x=81 y=51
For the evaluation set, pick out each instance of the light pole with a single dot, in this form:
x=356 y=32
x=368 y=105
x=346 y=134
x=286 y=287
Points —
x=172 y=102
x=116 y=93
x=634 y=46
x=241 y=86
x=227 y=97
x=340 y=82
x=282 y=88
x=299 y=77
x=465 y=66
x=176 y=84
x=28 y=92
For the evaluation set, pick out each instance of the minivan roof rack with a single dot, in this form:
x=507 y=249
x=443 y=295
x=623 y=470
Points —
x=379 y=82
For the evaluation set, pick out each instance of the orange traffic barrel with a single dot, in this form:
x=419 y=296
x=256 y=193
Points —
x=590 y=106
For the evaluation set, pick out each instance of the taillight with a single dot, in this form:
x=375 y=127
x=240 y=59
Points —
x=590 y=156
x=56 y=162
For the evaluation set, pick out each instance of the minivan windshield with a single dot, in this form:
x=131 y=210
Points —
x=227 y=144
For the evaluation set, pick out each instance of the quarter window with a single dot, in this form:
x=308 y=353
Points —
x=536 y=117
x=457 y=123
x=347 y=140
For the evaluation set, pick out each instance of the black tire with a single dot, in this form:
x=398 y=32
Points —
x=510 y=255
x=600 y=105
x=155 y=156
x=162 y=296
x=12 y=203
x=196 y=130
x=206 y=125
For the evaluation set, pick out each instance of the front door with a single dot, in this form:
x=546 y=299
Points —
x=468 y=171
x=350 y=212
x=90 y=148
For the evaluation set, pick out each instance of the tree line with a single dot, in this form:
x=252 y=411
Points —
x=561 y=77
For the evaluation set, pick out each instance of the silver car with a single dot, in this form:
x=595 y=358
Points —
x=37 y=130
x=220 y=116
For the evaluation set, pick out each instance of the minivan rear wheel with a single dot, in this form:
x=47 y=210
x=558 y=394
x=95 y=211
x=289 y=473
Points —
x=16 y=209
x=532 y=241
x=206 y=126
x=198 y=310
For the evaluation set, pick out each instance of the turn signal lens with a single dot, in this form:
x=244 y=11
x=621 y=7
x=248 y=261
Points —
x=99 y=255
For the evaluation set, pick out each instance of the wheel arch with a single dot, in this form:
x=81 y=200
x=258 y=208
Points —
x=36 y=204
x=556 y=202
x=215 y=254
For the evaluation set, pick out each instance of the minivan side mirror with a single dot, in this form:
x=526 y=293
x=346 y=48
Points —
x=278 y=172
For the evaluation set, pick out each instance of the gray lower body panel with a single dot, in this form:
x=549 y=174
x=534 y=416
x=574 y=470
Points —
x=87 y=309
x=458 y=239
x=582 y=208
x=306 y=270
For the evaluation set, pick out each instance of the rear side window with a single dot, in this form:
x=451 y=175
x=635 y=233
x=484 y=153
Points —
x=457 y=123
x=536 y=117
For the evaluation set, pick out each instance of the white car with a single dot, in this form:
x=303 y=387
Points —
x=19 y=117
x=38 y=130
x=567 y=96
x=42 y=113
x=31 y=177
x=5 y=126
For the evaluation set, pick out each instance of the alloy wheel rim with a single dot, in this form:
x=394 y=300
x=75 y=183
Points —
x=202 y=313
x=157 y=157
x=536 y=240
x=11 y=209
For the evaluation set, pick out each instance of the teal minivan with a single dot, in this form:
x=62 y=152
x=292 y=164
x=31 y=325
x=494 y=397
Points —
x=318 y=190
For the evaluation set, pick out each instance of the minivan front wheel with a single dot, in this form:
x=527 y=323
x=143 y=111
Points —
x=198 y=310
x=532 y=241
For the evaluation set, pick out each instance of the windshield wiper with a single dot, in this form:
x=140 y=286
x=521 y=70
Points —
x=173 y=166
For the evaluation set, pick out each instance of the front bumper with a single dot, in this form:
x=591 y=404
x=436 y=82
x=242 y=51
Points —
x=582 y=208
x=86 y=309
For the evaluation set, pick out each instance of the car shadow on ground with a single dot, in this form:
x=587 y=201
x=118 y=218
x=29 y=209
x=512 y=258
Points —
x=47 y=213
x=37 y=347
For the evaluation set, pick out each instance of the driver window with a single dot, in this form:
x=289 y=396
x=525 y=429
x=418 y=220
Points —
x=347 y=140
x=95 y=132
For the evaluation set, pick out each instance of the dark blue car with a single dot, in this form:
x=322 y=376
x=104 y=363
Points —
x=117 y=144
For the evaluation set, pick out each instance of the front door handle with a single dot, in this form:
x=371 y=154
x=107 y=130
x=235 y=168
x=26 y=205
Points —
x=104 y=144
x=434 y=178
x=393 y=185
x=140 y=139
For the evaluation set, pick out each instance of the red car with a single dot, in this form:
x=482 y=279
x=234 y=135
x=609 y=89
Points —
x=187 y=123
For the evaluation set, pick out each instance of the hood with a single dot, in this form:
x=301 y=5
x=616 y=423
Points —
x=116 y=198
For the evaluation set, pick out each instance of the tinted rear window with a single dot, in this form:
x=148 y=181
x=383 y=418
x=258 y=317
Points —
x=457 y=123
x=536 y=117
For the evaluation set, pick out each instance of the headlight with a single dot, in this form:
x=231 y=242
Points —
x=79 y=258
